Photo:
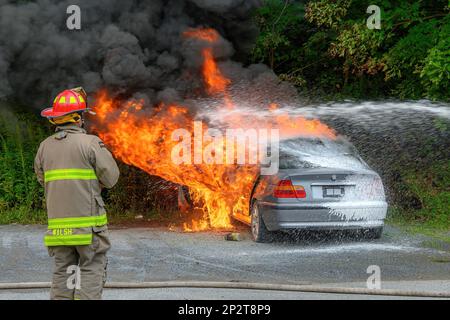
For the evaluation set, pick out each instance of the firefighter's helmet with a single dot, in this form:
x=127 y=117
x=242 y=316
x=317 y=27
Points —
x=67 y=102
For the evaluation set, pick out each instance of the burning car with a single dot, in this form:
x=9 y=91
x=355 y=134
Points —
x=142 y=134
x=322 y=184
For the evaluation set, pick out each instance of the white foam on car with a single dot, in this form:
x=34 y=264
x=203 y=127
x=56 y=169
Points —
x=365 y=193
x=327 y=154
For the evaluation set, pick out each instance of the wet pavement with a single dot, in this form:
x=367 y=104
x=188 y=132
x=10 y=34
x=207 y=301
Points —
x=155 y=254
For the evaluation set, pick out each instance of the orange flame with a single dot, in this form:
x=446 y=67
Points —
x=145 y=142
x=215 y=81
x=205 y=34
x=273 y=106
x=142 y=138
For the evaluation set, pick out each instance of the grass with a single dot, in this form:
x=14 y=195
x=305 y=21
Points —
x=437 y=231
x=431 y=188
x=22 y=215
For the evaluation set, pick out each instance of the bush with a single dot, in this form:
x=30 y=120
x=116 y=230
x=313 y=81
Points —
x=436 y=71
x=330 y=49
x=20 y=193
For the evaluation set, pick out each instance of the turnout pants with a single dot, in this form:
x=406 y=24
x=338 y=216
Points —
x=79 y=272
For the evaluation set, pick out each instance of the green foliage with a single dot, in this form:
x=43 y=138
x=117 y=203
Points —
x=325 y=13
x=405 y=60
x=278 y=20
x=436 y=71
x=330 y=49
x=432 y=188
x=358 y=45
x=20 y=193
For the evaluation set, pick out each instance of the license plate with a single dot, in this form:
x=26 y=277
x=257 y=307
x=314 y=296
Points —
x=333 y=192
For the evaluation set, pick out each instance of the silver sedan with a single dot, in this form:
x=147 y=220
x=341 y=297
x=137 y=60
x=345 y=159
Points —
x=321 y=185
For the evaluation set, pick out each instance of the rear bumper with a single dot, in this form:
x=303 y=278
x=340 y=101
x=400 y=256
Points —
x=331 y=217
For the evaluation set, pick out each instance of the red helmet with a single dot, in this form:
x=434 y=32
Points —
x=68 y=101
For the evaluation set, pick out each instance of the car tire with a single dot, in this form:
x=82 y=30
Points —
x=374 y=233
x=258 y=228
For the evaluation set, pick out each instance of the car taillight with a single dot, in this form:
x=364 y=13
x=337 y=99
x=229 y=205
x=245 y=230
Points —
x=300 y=191
x=285 y=189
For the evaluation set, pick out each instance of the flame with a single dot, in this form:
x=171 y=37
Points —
x=214 y=80
x=145 y=141
x=289 y=126
x=141 y=137
x=273 y=106
x=205 y=34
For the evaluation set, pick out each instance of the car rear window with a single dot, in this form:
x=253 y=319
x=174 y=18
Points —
x=316 y=153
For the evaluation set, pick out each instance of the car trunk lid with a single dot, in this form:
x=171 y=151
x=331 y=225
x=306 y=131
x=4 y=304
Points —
x=334 y=184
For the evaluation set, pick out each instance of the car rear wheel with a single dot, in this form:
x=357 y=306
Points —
x=259 y=230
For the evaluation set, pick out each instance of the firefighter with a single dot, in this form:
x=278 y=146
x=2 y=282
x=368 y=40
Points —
x=73 y=167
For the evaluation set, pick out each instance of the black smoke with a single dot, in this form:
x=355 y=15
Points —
x=132 y=48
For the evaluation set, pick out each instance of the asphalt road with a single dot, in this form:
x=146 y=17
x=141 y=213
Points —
x=154 y=254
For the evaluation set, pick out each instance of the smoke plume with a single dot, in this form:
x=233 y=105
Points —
x=133 y=48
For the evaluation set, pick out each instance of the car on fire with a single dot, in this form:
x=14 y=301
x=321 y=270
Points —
x=321 y=184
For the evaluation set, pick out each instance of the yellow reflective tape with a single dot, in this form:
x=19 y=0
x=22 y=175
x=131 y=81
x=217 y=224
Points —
x=71 y=177
x=77 y=222
x=80 y=98
x=71 y=170
x=72 y=100
x=62 y=100
x=69 y=174
x=68 y=240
